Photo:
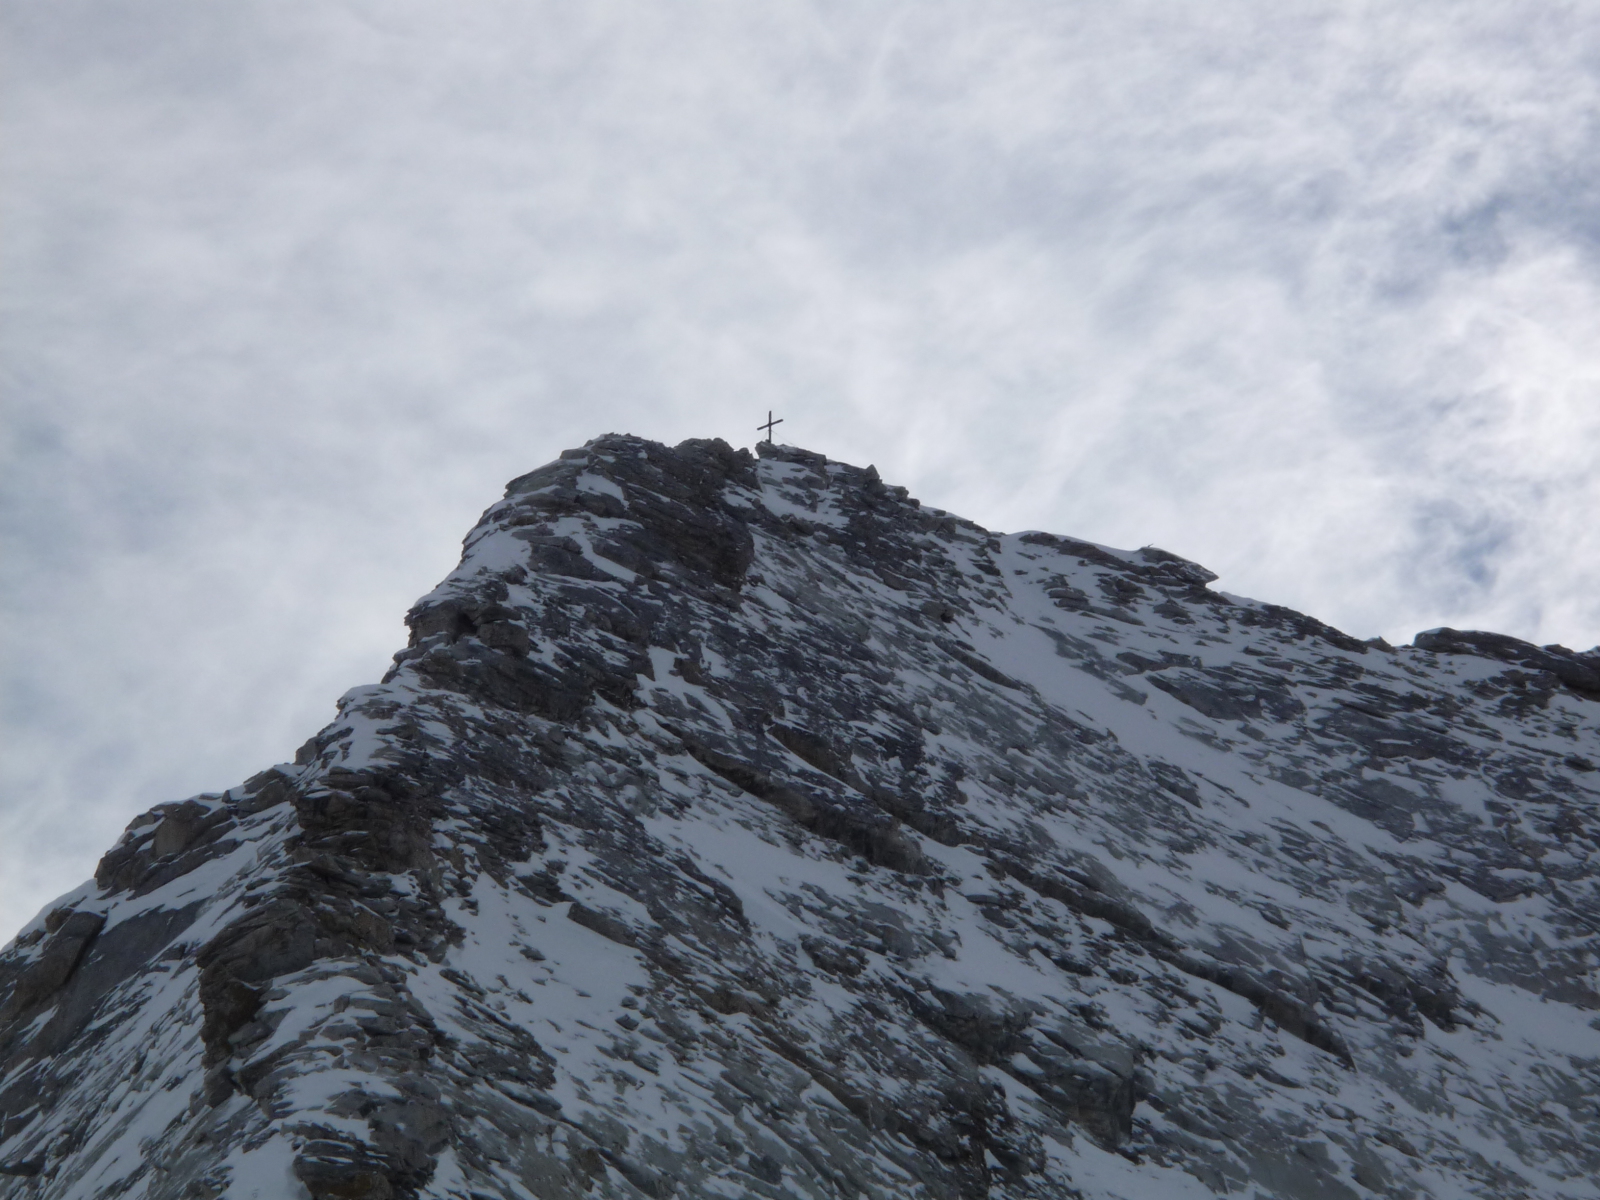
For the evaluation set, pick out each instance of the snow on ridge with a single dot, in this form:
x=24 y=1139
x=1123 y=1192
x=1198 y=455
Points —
x=740 y=827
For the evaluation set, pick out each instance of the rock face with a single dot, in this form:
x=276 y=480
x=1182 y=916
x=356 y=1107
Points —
x=738 y=827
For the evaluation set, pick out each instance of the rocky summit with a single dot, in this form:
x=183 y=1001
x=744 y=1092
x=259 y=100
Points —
x=736 y=826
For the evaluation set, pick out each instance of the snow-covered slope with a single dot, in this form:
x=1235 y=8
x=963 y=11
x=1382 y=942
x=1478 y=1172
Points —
x=741 y=828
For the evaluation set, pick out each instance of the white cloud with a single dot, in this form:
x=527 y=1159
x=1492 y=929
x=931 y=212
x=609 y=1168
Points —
x=289 y=290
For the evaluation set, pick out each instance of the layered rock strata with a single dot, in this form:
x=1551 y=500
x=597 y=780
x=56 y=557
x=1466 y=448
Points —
x=737 y=826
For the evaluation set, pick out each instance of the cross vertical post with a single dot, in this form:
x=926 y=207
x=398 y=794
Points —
x=770 y=423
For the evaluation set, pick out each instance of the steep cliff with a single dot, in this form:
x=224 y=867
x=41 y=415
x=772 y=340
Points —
x=739 y=827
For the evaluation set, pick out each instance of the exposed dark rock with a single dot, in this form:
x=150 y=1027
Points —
x=736 y=825
x=1231 y=693
x=875 y=836
x=48 y=973
x=337 y=1168
x=1579 y=672
x=165 y=844
x=276 y=938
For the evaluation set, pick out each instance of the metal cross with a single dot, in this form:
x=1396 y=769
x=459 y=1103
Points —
x=770 y=423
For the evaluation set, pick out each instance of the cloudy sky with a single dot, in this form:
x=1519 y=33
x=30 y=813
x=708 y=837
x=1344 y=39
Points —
x=1308 y=293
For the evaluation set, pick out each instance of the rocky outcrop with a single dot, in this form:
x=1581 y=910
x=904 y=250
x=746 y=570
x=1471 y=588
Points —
x=1579 y=672
x=735 y=825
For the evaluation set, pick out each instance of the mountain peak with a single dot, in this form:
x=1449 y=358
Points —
x=734 y=824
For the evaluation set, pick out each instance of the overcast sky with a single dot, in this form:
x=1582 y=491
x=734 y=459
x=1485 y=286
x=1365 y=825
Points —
x=1307 y=293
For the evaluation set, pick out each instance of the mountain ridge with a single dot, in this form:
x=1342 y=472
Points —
x=734 y=825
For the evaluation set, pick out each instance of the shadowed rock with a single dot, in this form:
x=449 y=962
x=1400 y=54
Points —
x=735 y=825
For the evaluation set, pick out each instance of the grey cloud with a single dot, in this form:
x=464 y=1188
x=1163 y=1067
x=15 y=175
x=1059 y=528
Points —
x=288 y=290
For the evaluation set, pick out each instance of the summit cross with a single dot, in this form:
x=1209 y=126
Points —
x=770 y=423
